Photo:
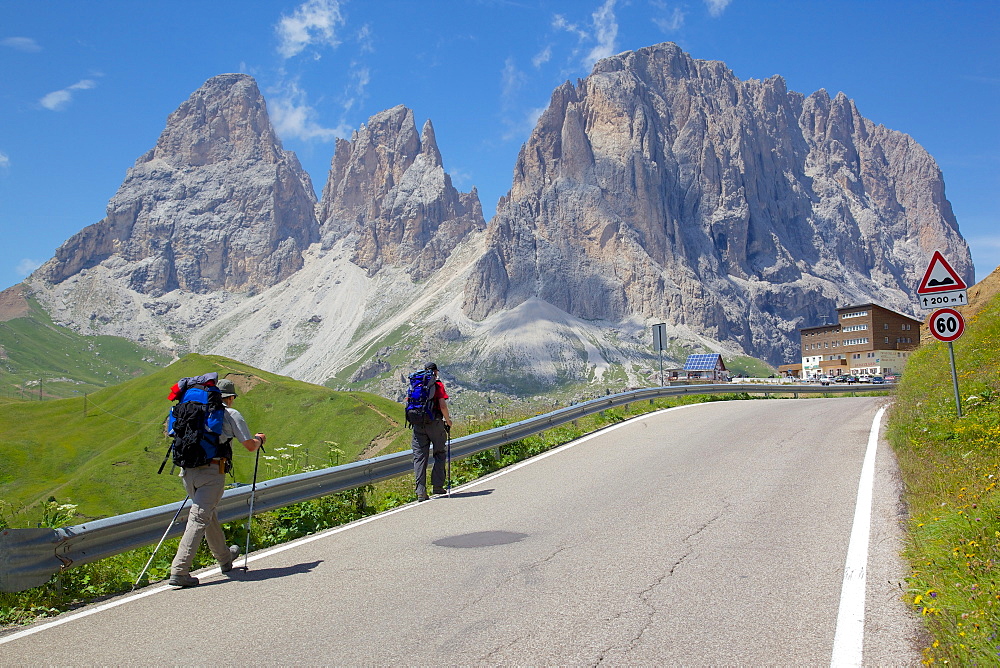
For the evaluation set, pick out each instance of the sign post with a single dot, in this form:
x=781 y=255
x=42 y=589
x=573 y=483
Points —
x=942 y=288
x=946 y=325
x=660 y=343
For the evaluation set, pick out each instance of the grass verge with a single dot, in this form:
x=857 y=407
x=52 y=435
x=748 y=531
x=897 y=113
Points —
x=951 y=469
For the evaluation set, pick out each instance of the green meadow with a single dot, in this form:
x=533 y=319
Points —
x=40 y=360
x=101 y=451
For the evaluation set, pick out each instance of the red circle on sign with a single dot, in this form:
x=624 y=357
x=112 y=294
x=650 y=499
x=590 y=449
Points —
x=946 y=324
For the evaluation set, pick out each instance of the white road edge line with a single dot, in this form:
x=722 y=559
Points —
x=849 y=639
x=62 y=619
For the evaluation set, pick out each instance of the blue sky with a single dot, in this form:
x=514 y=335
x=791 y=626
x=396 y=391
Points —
x=86 y=87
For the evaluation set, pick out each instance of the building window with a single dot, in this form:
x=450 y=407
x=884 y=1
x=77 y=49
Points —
x=887 y=339
x=885 y=325
x=854 y=328
x=856 y=314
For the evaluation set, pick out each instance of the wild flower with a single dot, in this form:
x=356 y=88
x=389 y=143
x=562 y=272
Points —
x=55 y=514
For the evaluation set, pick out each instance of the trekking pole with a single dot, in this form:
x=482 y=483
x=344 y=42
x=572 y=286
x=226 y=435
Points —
x=253 y=491
x=162 y=538
x=447 y=428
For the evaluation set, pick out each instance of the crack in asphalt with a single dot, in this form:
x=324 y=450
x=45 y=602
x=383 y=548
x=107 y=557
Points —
x=506 y=581
x=646 y=593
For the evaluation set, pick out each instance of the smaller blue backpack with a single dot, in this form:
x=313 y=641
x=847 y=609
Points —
x=420 y=404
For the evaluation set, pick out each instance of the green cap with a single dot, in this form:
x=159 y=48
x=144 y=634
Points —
x=227 y=387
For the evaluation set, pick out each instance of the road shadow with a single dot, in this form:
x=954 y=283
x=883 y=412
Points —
x=257 y=574
x=460 y=495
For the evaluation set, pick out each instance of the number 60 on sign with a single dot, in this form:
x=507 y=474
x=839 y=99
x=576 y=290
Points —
x=946 y=324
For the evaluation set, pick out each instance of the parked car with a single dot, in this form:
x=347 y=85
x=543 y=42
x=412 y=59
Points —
x=864 y=378
x=842 y=378
x=878 y=380
x=824 y=380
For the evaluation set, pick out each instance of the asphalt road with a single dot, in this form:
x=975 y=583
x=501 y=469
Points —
x=713 y=534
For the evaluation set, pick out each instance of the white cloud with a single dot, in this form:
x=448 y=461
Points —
x=605 y=31
x=294 y=118
x=716 y=7
x=559 y=22
x=4 y=160
x=26 y=266
x=366 y=43
x=59 y=99
x=542 y=57
x=518 y=128
x=460 y=178
x=25 y=44
x=672 y=22
x=313 y=22
x=355 y=93
x=512 y=80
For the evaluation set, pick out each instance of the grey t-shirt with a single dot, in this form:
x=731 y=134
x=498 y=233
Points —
x=234 y=426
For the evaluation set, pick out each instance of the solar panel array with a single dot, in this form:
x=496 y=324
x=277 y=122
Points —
x=702 y=362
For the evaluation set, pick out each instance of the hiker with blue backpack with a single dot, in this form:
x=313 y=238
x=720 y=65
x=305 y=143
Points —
x=203 y=424
x=427 y=413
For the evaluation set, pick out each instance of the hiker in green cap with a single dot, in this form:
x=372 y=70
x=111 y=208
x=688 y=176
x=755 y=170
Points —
x=204 y=485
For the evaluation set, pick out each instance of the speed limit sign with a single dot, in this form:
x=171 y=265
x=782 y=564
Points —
x=946 y=324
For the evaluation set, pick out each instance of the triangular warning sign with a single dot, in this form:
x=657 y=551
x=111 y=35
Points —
x=940 y=277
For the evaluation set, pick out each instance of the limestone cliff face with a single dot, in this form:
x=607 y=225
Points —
x=664 y=187
x=217 y=205
x=387 y=187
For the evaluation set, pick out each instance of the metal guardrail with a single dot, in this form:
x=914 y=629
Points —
x=29 y=557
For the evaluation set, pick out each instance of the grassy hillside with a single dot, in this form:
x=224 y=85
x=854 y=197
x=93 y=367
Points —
x=749 y=367
x=951 y=469
x=102 y=451
x=41 y=360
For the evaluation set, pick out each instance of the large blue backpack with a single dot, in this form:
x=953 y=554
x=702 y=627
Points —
x=420 y=400
x=195 y=422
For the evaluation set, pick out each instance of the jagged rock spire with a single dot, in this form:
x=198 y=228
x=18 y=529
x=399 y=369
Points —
x=387 y=187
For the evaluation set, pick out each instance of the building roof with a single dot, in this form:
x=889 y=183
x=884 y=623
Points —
x=704 y=362
x=841 y=310
x=869 y=305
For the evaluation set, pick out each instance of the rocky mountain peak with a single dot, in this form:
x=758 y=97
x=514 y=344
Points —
x=223 y=120
x=388 y=189
x=216 y=205
x=664 y=187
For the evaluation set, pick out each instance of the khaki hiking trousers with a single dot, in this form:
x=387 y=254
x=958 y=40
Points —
x=204 y=484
